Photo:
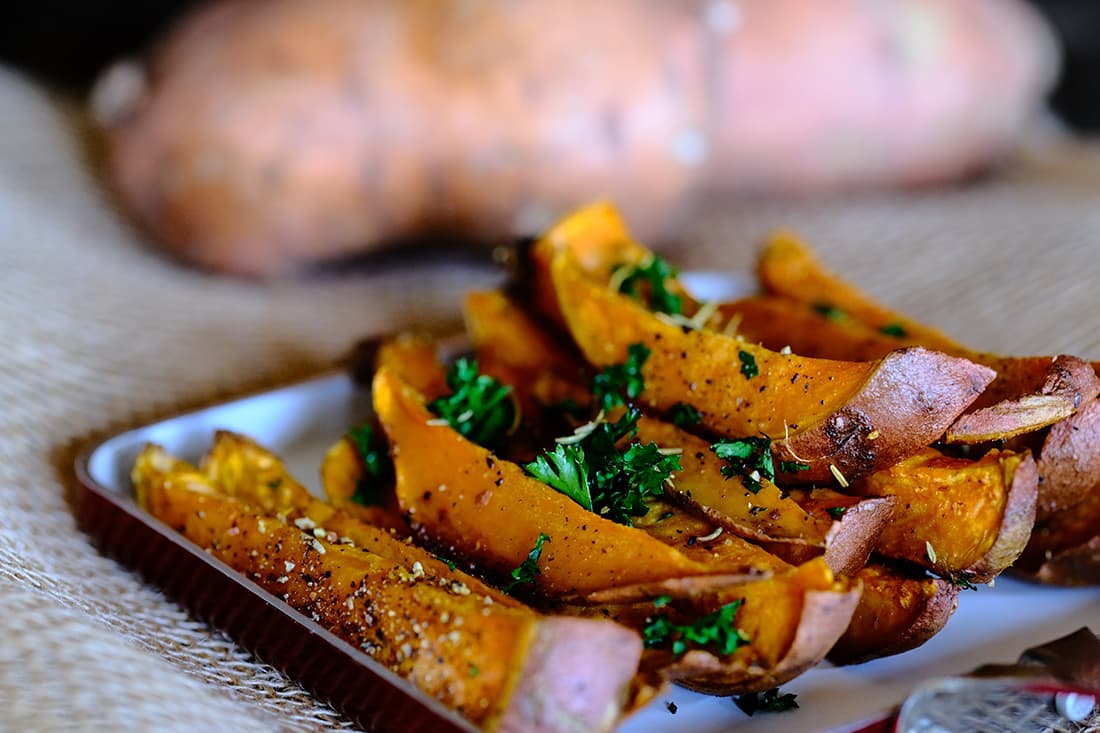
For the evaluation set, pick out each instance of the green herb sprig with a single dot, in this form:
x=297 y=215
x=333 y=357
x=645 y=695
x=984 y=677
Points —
x=715 y=631
x=749 y=459
x=768 y=701
x=603 y=477
x=620 y=381
x=479 y=407
x=654 y=275
x=528 y=570
x=684 y=415
x=748 y=364
x=377 y=473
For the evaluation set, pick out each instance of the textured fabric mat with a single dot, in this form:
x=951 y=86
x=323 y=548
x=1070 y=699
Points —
x=99 y=333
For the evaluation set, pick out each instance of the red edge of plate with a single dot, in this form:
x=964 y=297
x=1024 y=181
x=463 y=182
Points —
x=330 y=668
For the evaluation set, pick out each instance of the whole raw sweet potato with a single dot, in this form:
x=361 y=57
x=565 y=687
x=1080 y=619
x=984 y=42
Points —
x=260 y=136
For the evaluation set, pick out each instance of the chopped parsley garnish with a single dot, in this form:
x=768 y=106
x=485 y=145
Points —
x=654 y=274
x=377 y=473
x=793 y=466
x=714 y=631
x=896 y=330
x=683 y=415
x=564 y=469
x=830 y=311
x=749 y=459
x=604 y=478
x=768 y=701
x=962 y=582
x=474 y=670
x=528 y=570
x=619 y=380
x=836 y=512
x=479 y=407
x=748 y=365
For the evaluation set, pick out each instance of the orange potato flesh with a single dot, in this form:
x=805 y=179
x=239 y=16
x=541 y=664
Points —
x=244 y=470
x=776 y=322
x=1029 y=393
x=474 y=505
x=595 y=235
x=415 y=358
x=396 y=615
x=856 y=416
x=789 y=268
x=897 y=612
x=974 y=515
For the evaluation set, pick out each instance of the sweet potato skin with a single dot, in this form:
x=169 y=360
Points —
x=1069 y=461
x=897 y=612
x=856 y=416
x=975 y=515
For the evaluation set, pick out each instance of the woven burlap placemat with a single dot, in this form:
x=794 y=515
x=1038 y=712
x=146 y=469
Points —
x=99 y=333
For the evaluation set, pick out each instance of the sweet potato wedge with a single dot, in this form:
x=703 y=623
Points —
x=776 y=322
x=766 y=515
x=595 y=235
x=956 y=517
x=472 y=504
x=1029 y=393
x=788 y=622
x=504 y=668
x=244 y=470
x=897 y=611
x=789 y=268
x=855 y=417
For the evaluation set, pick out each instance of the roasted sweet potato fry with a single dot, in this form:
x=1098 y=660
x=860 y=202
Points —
x=960 y=518
x=789 y=268
x=595 y=235
x=787 y=623
x=470 y=503
x=851 y=417
x=897 y=611
x=765 y=515
x=1029 y=393
x=528 y=667
x=244 y=470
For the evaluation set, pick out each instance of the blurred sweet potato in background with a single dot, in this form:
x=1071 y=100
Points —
x=261 y=136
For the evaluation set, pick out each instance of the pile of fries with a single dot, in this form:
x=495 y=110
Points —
x=621 y=487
